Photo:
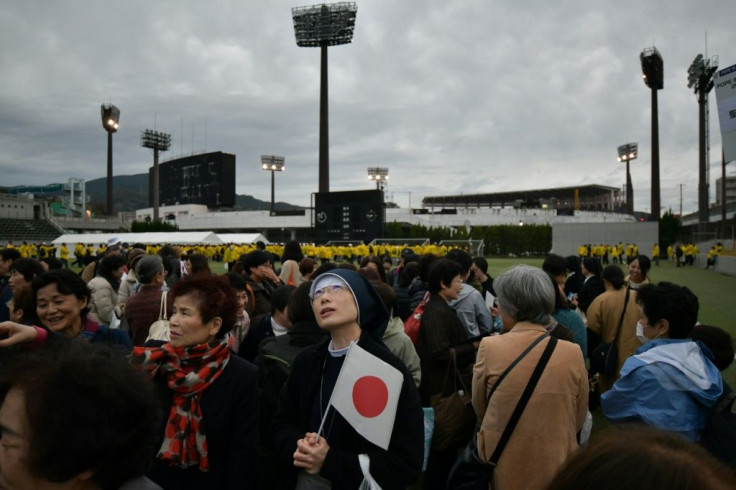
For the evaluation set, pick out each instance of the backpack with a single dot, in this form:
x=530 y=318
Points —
x=411 y=325
x=274 y=361
x=719 y=435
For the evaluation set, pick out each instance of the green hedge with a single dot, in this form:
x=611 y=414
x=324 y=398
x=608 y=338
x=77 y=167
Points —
x=499 y=240
x=145 y=226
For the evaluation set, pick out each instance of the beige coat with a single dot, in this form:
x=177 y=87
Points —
x=103 y=299
x=604 y=314
x=546 y=433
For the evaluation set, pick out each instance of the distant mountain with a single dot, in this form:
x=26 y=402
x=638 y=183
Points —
x=131 y=193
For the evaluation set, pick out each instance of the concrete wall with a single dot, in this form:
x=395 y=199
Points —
x=16 y=207
x=725 y=264
x=567 y=237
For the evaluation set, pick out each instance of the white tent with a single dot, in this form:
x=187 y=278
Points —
x=242 y=238
x=173 y=238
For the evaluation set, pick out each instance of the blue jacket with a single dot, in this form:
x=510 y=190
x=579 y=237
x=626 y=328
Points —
x=670 y=384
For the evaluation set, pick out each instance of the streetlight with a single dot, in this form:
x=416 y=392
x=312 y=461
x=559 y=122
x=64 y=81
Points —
x=322 y=26
x=156 y=141
x=111 y=123
x=626 y=153
x=273 y=164
x=380 y=175
x=700 y=79
x=652 y=67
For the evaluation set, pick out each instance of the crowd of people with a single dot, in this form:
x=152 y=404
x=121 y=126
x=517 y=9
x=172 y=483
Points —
x=680 y=253
x=148 y=370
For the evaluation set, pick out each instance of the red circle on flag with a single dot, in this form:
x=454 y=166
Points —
x=370 y=396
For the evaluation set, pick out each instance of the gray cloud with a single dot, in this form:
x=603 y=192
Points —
x=465 y=96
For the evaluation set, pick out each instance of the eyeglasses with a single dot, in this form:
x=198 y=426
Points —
x=332 y=289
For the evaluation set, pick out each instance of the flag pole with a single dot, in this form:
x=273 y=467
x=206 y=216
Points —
x=329 y=403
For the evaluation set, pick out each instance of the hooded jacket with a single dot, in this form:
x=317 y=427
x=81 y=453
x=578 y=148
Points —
x=402 y=347
x=472 y=311
x=395 y=468
x=670 y=383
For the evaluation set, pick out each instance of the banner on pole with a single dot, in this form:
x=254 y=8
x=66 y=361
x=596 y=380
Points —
x=725 y=84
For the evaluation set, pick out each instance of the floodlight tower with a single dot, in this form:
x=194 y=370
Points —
x=156 y=141
x=273 y=164
x=322 y=26
x=700 y=79
x=626 y=153
x=652 y=68
x=380 y=175
x=111 y=123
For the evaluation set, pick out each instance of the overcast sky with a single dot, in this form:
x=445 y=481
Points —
x=454 y=96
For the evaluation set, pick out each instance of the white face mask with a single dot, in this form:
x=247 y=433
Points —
x=640 y=333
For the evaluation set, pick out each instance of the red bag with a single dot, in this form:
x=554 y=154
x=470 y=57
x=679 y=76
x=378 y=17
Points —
x=411 y=325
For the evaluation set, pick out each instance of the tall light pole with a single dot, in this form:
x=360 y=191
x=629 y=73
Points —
x=380 y=175
x=322 y=26
x=111 y=123
x=626 y=153
x=273 y=164
x=652 y=67
x=700 y=79
x=156 y=141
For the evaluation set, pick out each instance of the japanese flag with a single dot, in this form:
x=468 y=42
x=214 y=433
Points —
x=366 y=394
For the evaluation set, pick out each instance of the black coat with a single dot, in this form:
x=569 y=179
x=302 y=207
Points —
x=441 y=329
x=230 y=417
x=395 y=468
x=591 y=289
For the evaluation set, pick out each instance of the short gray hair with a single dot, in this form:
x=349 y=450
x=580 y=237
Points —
x=526 y=294
x=148 y=267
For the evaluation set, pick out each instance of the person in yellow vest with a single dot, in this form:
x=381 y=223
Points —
x=25 y=250
x=690 y=251
x=64 y=255
x=713 y=254
x=670 y=253
x=655 y=254
x=78 y=253
x=230 y=256
x=50 y=250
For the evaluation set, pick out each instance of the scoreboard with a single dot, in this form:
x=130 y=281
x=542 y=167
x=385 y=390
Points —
x=349 y=215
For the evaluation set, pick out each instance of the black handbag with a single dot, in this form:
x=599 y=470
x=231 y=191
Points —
x=604 y=359
x=470 y=472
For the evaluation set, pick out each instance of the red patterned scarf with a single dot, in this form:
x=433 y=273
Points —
x=188 y=371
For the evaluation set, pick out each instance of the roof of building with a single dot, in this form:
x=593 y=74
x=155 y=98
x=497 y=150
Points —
x=508 y=198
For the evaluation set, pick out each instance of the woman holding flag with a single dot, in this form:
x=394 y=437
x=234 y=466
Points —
x=349 y=411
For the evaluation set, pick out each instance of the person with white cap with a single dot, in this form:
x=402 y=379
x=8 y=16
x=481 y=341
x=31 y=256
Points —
x=348 y=307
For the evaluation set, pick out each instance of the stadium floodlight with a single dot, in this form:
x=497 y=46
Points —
x=700 y=79
x=273 y=164
x=111 y=122
x=626 y=153
x=380 y=175
x=156 y=141
x=652 y=68
x=322 y=26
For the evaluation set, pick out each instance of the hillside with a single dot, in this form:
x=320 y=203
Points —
x=131 y=193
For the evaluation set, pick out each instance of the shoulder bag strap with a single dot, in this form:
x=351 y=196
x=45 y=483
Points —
x=621 y=320
x=512 y=365
x=511 y=425
x=162 y=314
